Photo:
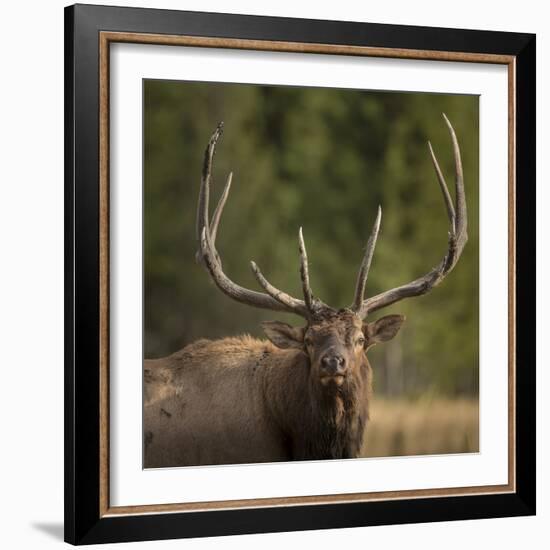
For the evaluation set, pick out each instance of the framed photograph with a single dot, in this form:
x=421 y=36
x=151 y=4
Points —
x=299 y=274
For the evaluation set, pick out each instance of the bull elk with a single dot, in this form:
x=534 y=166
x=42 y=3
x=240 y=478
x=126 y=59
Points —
x=303 y=393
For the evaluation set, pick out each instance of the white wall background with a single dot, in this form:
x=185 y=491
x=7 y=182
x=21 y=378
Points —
x=31 y=273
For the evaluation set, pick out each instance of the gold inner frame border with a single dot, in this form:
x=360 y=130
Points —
x=108 y=37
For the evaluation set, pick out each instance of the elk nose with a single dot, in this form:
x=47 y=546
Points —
x=333 y=364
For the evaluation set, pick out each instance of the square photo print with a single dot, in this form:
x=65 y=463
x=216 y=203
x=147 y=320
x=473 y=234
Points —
x=311 y=274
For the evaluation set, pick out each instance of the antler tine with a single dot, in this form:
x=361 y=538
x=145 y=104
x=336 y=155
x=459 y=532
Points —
x=219 y=209
x=206 y=233
x=279 y=295
x=304 y=273
x=204 y=191
x=461 y=218
x=233 y=290
x=444 y=189
x=458 y=237
x=365 y=264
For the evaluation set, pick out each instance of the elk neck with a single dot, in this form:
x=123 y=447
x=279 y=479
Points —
x=318 y=422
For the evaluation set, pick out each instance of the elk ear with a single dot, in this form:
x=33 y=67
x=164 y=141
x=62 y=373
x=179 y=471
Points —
x=284 y=336
x=383 y=329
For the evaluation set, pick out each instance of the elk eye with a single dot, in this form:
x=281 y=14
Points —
x=361 y=341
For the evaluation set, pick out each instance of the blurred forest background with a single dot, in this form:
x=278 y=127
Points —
x=323 y=159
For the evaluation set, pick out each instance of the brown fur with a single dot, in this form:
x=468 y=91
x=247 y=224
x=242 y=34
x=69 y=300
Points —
x=244 y=400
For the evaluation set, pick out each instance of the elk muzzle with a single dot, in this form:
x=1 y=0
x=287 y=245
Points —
x=333 y=368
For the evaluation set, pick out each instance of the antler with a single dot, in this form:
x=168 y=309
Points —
x=365 y=264
x=458 y=236
x=273 y=299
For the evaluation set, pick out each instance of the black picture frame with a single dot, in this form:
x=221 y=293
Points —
x=84 y=523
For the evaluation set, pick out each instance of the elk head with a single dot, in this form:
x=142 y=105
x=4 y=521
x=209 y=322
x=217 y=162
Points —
x=335 y=340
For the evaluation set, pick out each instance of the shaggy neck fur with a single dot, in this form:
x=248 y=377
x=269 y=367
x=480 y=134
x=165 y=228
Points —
x=319 y=422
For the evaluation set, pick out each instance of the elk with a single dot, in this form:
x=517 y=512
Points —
x=302 y=394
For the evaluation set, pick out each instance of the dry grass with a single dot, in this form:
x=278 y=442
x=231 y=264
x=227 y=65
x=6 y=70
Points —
x=401 y=427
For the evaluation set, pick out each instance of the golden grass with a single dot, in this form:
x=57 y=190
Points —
x=400 y=427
